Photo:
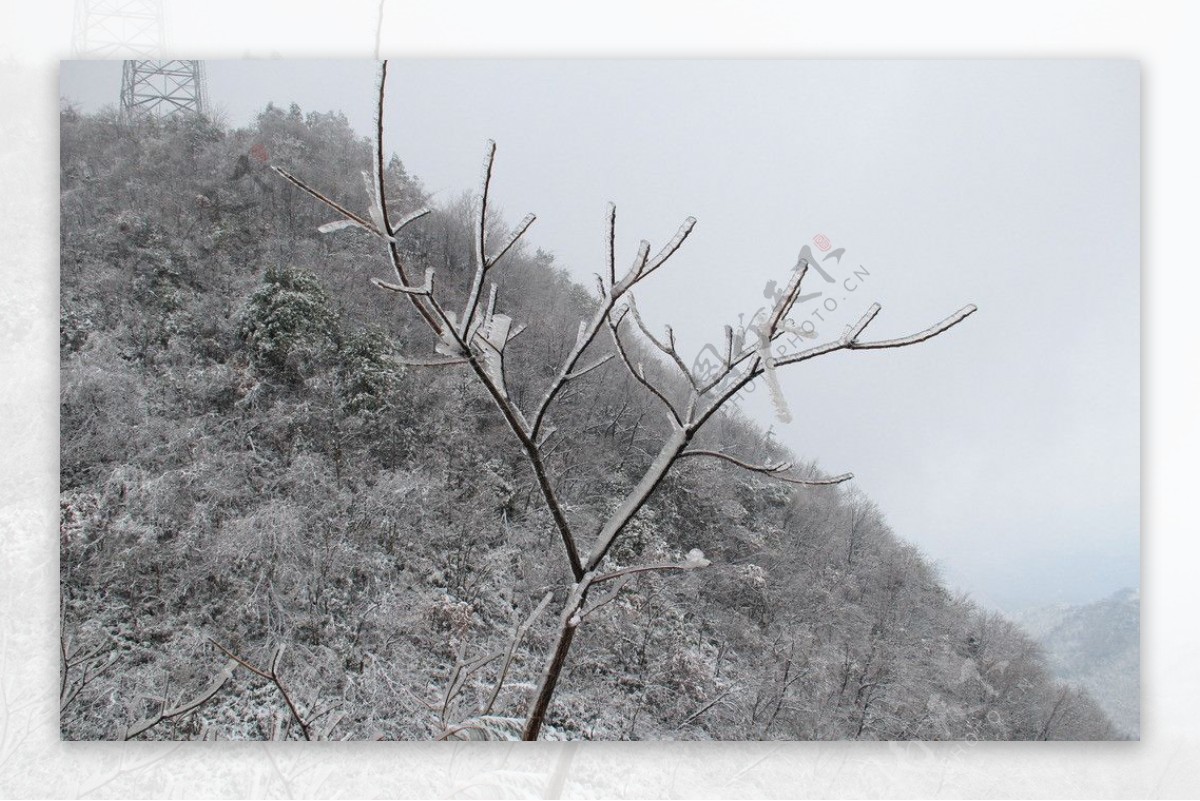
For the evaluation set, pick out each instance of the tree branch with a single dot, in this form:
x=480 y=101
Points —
x=443 y=325
x=349 y=215
x=424 y=289
x=517 y=233
x=449 y=361
x=181 y=708
x=691 y=564
x=667 y=348
x=775 y=471
x=271 y=674
x=638 y=373
x=637 y=497
x=929 y=333
x=669 y=249
x=514 y=643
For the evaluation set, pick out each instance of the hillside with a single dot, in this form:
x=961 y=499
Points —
x=247 y=465
x=1095 y=646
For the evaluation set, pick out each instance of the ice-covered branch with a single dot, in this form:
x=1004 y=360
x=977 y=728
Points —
x=585 y=337
x=929 y=333
x=582 y=371
x=424 y=289
x=407 y=220
x=776 y=471
x=612 y=245
x=608 y=597
x=667 y=348
x=460 y=673
x=638 y=372
x=643 y=265
x=514 y=643
x=669 y=249
x=517 y=233
x=852 y=333
x=484 y=262
x=783 y=306
x=848 y=341
x=271 y=674
x=182 y=708
x=333 y=204
x=449 y=361
x=695 y=560
x=633 y=501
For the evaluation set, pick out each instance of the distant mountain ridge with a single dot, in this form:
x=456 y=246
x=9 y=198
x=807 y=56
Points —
x=1096 y=646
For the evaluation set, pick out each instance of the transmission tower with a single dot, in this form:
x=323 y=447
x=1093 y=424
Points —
x=118 y=29
x=133 y=29
x=162 y=88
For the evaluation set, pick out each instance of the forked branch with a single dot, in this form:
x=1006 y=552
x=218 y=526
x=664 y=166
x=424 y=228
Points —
x=271 y=674
x=183 y=707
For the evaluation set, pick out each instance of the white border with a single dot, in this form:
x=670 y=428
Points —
x=1162 y=35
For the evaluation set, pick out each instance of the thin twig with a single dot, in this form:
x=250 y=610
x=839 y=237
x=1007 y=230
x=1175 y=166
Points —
x=775 y=471
x=514 y=643
x=638 y=372
x=271 y=674
x=182 y=708
x=929 y=333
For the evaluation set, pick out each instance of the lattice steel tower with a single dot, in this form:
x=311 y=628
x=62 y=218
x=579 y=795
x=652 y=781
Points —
x=163 y=88
x=133 y=29
x=118 y=29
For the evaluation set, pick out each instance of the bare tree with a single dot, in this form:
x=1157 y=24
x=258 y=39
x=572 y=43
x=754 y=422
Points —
x=307 y=723
x=166 y=711
x=477 y=337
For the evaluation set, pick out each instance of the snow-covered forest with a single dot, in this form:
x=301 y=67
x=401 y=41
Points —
x=273 y=526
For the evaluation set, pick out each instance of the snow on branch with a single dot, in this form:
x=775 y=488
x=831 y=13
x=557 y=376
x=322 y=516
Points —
x=424 y=289
x=776 y=471
x=517 y=233
x=514 y=643
x=449 y=361
x=643 y=265
x=783 y=306
x=929 y=333
x=638 y=372
x=183 y=707
x=612 y=245
x=271 y=674
x=408 y=219
x=484 y=262
x=668 y=250
x=667 y=348
x=582 y=371
x=694 y=561
x=333 y=204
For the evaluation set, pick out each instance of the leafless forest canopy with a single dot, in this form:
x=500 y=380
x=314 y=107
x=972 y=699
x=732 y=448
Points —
x=272 y=526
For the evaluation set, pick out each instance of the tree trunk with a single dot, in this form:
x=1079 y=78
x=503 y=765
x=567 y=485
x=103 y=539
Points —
x=569 y=622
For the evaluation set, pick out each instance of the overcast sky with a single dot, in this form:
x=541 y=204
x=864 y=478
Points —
x=1008 y=448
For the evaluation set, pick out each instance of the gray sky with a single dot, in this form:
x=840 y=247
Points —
x=1008 y=448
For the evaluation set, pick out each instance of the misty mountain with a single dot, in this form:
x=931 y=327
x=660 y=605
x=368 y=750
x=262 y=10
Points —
x=1095 y=646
